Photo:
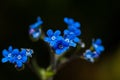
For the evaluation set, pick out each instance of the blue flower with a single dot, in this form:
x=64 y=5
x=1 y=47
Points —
x=19 y=57
x=34 y=29
x=52 y=36
x=16 y=57
x=72 y=35
x=36 y=24
x=97 y=45
x=90 y=56
x=71 y=23
x=60 y=46
x=8 y=56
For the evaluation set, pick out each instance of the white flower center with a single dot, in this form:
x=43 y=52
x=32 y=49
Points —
x=53 y=37
x=67 y=40
x=19 y=56
x=9 y=55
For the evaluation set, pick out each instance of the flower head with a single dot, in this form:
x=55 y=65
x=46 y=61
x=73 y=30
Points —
x=90 y=56
x=19 y=57
x=34 y=29
x=16 y=57
x=71 y=23
x=60 y=46
x=36 y=24
x=8 y=56
x=52 y=36
x=97 y=45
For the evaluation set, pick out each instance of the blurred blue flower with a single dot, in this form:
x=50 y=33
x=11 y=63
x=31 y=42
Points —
x=35 y=33
x=60 y=46
x=34 y=29
x=52 y=36
x=8 y=56
x=36 y=24
x=90 y=56
x=71 y=23
x=97 y=45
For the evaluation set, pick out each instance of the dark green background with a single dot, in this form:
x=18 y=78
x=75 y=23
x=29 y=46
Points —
x=98 y=18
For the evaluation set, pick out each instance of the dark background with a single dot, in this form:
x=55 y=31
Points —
x=98 y=18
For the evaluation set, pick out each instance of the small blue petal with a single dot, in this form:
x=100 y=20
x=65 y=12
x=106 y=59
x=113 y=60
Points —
x=66 y=32
x=47 y=39
x=5 y=52
x=23 y=51
x=77 y=24
x=4 y=60
x=66 y=20
x=50 y=32
x=10 y=49
x=71 y=21
x=72 y=44
x=76 y=39
x=57 y=33
x=24 y=59
x=15 y=51
x=58 y=52
x=52 y=43
x=19 y=64
x=98 y=41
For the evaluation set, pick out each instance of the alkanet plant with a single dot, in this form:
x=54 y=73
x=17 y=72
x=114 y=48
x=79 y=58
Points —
x=59 y=45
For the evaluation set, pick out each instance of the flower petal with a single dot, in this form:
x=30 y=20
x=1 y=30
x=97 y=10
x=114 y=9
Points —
x=15 y=51
x=24 y=59
x=76 y=39
x=66 y=32
x=5 y=52
x=71 y=21
x=10 y=49
x=4 y=60
x=66 y=20
x=57 y=33
x=23 y=51
x=77 y=24
x=52 y=43
x=47 y=39
x=50 y=32
x=19 y=64
x=98 y=41
x=72 y=44
x=58 y=51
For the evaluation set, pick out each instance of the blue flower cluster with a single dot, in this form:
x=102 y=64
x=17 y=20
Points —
x=97 y=49
x=15 y=56
x=34 y=29
x=61 y=44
